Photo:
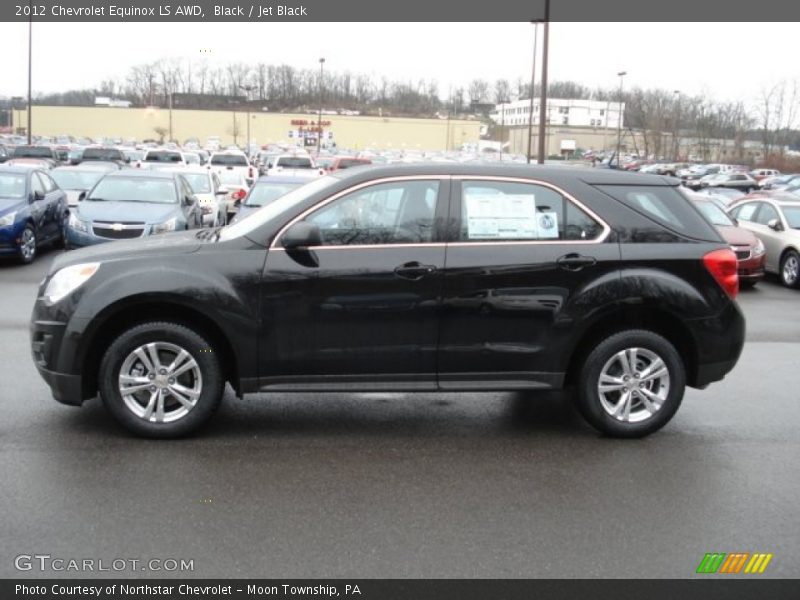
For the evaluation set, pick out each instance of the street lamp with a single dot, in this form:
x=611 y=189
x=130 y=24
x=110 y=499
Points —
x=533 y=87
x=247 y=89
x=30 y=68
x=621 y=75
x=502 y=125
x=319 y=117
x=677 y=140
x=543 y=96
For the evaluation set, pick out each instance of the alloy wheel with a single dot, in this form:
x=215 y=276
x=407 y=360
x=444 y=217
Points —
x=633 y=385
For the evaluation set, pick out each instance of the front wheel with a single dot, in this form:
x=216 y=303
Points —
x=631 y=384
x=27 y=244
x=790 y=269
x=161 y=380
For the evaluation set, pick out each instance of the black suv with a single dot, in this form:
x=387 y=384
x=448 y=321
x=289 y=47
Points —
x=406 y=278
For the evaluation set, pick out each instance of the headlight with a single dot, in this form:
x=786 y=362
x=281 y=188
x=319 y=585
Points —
x=67 y=280
x=76 y=224
x=8 y=219
x=759 y=249
x=166 y=226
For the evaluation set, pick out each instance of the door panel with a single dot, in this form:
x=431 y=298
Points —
x=511 y=305
x=358 y=314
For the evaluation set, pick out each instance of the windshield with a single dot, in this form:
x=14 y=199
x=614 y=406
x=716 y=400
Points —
x=295 y=162
x=199 y=182
x=266 y=192
x=229 y=160
x=12 y=185
x=276 y=208
x=162 y=156
x=33 y=152
x=714 y=214
x=792 y=214
x=76 y=180
x=134 y=189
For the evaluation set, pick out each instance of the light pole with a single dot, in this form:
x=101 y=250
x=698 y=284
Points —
x=533 y=88
x=543 y=96
x=621 y=75
x=30 y=69
x=170 y=115
x=319 y=117
x=677 y=139
x=247 y=89
x=502 y=125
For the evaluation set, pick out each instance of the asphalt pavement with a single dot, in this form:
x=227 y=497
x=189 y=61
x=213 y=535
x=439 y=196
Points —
x=408 y=485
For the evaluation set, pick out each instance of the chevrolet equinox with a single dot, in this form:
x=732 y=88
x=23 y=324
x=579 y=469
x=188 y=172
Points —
x=405 y=278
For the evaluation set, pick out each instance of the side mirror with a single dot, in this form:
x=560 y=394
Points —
x=301 y=235
x=221 y=192
x=188 y=200
x=81 y=196
x=128 y=159
x=38 y=195
x=775 y=225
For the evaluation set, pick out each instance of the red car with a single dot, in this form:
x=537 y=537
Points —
x=750 y=251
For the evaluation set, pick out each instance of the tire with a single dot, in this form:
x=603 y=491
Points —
x=201 y=385
x=789 y=271
x=27 y=248
x=665 y=392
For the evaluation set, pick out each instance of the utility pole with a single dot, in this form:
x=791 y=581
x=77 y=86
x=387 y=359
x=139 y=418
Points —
x=621 y=76
x=319 y=117
x=30 y=70
x=533 y=88
x=247 y=89
x=543 y=95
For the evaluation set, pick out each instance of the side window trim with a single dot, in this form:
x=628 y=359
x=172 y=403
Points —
x=443 y=196
x=457 y=199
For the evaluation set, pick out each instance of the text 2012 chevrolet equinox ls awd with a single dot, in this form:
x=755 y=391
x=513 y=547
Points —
x=406 y=278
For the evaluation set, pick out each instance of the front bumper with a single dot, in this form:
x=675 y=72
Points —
x=9 y=239
x=79 y=239
x=752 y=269
x=46 y=341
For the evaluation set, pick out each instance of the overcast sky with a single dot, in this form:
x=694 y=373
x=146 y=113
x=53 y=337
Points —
x=727 y=61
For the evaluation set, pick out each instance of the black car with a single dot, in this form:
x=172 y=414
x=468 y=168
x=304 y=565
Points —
x=406 y=278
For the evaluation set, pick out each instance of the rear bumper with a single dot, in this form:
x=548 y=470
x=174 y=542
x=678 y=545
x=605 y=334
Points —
x=719 y=344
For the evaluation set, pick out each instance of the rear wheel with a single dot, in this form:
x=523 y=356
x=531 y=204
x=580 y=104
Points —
x=790 y=269
x=161 y=380
x=631 y=384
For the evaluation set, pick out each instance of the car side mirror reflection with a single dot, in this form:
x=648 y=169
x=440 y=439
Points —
x=775 y=225
x=301 y=235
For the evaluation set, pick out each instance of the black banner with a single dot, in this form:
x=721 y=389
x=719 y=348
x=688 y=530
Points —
x=408 y=10
x=393 y=589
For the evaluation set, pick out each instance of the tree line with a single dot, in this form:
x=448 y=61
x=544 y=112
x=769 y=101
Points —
x=771 y=118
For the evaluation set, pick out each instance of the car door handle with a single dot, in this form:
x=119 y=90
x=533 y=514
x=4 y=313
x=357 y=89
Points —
x=575 y=262
x=414 y=270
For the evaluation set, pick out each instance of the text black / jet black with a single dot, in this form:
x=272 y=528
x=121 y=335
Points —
x=406 y=278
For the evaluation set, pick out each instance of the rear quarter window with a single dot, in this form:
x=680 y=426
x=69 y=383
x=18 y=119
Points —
x=665 y=205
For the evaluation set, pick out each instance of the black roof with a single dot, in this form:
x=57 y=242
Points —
x=553 y=173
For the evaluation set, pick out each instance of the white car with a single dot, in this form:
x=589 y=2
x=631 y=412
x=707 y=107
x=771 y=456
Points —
x=163 y=158
x=232 y=162
x=210 y=194
x=234 y=186
x=295 y=165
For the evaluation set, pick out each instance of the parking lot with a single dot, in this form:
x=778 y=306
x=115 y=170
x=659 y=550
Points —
x=397 y=485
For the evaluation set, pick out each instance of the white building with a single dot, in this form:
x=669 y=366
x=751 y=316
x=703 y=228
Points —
x=561 y=111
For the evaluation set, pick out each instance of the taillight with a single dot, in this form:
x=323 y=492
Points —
x=238 y=194
x=722 y=265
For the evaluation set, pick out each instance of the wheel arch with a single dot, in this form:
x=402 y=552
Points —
x=658 y=321
x=129 y=313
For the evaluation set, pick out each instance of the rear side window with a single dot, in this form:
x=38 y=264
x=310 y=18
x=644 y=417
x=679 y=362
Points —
x=664 y=205
x=511 y=211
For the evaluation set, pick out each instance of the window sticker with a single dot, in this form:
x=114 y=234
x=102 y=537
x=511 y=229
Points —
x=502 y=216
x=547 y=225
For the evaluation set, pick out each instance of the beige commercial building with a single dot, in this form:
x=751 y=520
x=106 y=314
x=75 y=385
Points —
x=356 y=132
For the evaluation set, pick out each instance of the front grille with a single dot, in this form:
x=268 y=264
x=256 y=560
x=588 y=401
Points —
x=742 y=253
x=118 y=231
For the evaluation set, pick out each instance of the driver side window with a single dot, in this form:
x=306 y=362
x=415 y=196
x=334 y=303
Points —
x=399 y=212
x=766 y=214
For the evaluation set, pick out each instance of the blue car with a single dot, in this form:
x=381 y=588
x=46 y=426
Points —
x=33 y=212
x=266 y=190
x=131 y=204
